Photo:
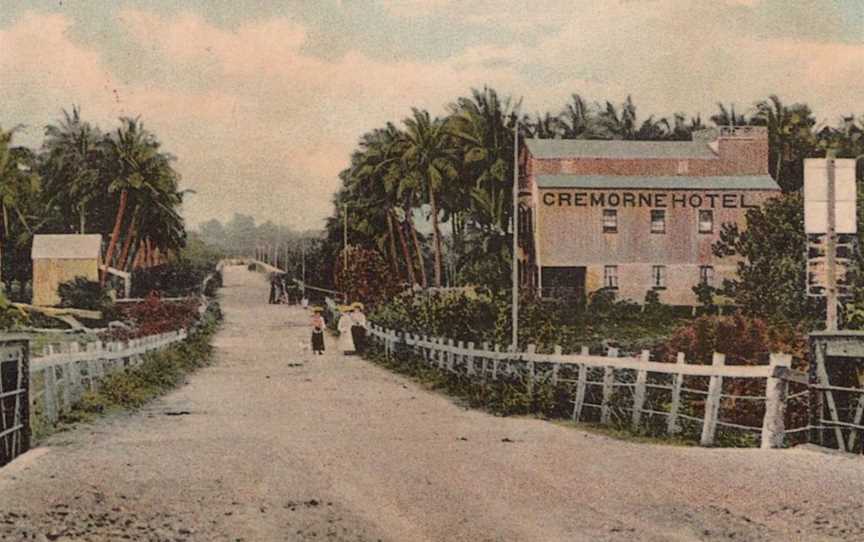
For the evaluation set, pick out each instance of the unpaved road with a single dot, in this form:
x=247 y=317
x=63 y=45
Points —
x=280 y=445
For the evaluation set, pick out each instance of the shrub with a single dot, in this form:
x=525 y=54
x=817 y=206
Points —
x=10 y=317
x=81 y=293
x=153 y=316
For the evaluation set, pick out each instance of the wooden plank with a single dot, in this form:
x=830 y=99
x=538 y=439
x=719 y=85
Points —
x=581 y=386
x=776 y=390
x=712 y=402
x=556 y=367
x=639 y=392
x=791 y=375
x=608 y=387
x=822 y=378
x=469 y=359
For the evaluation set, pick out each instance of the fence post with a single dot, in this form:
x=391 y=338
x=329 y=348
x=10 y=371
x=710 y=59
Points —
x=773 y=425
x=49 y=397
x=608 y=388
x=469 y=359
x=532 y=348
x=677 y=381
x=496 y=361
x=451 y=355
x=556 y=366
x=639 y=391
x=712 y=402
x=484 y=361
x=581 y=384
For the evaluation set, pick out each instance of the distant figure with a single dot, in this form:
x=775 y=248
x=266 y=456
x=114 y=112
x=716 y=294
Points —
x=274 y=289
x=317 y=331
x=346 y=341
x=358 y=327
x=305 y=302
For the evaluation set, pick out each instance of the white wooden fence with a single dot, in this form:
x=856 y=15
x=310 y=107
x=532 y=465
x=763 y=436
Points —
x=583 y=374
x=65 y=371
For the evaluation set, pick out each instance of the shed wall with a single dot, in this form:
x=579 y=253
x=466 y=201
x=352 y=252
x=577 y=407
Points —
x=48 y=274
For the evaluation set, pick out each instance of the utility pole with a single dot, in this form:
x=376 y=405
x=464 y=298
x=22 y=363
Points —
x=831 y=248
x=303 y=264
x=515 y=300
x=345 y=237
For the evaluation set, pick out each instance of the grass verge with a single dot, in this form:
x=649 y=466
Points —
x=159 y=373
x=510 y=396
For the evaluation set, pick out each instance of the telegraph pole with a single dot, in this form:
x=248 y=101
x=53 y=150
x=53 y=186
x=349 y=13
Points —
x=515 y=300
x=831 y=247
x=345 y=237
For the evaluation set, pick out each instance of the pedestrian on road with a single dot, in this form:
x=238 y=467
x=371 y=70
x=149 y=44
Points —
x=317 y=331
x=273 y=289
x=346 y=341
x=358 y=327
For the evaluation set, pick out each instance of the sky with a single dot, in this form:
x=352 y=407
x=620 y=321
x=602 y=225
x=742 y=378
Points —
x=262 y=102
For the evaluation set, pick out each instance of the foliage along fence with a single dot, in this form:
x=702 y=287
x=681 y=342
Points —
x=59 y=378
x=602 y=388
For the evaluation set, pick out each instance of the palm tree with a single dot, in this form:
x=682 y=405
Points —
x=790 y=138
x=430 y=158
x=18 y=188
x=727 y=116
x=72 y=164
x=576 y=120
x=135 y=165
x=611 y=125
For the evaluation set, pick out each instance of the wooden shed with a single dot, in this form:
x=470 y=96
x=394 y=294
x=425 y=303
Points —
x=61 y=258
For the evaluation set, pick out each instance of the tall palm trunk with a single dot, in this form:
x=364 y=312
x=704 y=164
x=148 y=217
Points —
x=437 y=236
x=115 y=233
x=410 y=225
x=131 y=233
x=394 y=265
x=406 y=253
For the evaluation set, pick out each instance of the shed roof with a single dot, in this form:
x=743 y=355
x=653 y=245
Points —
x=676 y=182
x=592 y=148
x=66 y=247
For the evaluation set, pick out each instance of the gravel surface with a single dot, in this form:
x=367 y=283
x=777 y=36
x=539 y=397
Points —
x=272 y=443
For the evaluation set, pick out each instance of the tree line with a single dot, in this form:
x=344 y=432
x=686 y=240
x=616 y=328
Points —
x=433 y=195
x=119 y=183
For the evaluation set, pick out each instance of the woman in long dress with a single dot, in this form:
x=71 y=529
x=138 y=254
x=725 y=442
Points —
x=317 y=332
x=358 y=329
x=346 y=341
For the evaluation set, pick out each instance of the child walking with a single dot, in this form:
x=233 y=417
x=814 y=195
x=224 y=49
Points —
x=317 y=331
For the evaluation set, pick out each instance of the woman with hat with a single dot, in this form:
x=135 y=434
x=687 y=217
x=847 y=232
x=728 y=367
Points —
x=317 y=331
x=346 y=341
x=358 y=327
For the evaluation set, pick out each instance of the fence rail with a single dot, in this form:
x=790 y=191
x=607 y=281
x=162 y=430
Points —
x=595 y=382
x=61 y=375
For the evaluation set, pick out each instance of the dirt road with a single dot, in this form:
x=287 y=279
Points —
x=271 y=443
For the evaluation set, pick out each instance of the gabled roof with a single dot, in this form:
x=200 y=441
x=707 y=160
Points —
x=676 y=182
x=66 y=247
x=590 y=148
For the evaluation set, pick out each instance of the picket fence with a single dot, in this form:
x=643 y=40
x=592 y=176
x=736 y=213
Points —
x=64 y=371
x=492 y=363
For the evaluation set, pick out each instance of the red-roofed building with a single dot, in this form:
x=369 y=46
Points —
x=636 y=215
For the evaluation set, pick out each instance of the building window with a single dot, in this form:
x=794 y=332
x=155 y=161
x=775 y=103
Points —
x=706 y=275
x=706 y=221
x=658 y=276
x=658 y=221
x=610 y=276
x=610 y=221
x=683 y=167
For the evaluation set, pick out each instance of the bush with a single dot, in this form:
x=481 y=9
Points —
x=81 y=293
x=10 y=317
x=153 y=316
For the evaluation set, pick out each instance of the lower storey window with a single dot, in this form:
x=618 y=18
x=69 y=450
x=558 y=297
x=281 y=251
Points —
x=610 y=276
x=706 y=275
x=658 y=276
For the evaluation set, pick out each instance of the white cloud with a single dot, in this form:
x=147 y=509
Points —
x=261 y=126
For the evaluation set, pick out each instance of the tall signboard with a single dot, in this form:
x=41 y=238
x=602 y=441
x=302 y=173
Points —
x=816 y=196
x=830 y=222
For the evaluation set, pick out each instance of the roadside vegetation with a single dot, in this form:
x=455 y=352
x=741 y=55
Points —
x=159 y=373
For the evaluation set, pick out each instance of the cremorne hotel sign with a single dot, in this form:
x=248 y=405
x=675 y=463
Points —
x=634 y=216
x=656 y=200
